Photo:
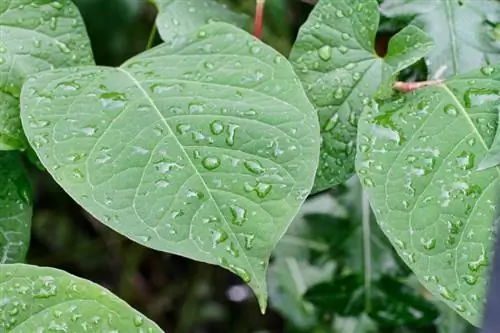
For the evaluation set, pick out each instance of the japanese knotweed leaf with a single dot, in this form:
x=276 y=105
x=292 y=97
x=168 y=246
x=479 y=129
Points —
x=16 y=208
x=40 y=299
x=417 y=159
x=205 y=147
x=335 y=58
x=34 y=36
x=464 y=40
x=179 y=17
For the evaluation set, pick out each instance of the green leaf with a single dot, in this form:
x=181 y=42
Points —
x=335 y=58
x=206 y=147
x=417 y=159
x=34 y=36
x=492 y=158
x=16 y=208
x=463 y=39
x=39 y=299
x=180 y=17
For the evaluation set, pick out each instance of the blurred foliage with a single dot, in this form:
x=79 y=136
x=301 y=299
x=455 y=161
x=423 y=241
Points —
x=318 y=280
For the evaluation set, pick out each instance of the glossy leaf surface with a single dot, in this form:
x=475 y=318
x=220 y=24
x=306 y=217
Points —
x=205 y=148
x=418 y=159
x=39 y=299
x=180 y=17
x=463 y=39
x=335 y=58
x=16 y=208
x=34 y=36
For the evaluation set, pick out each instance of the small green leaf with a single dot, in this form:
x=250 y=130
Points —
x=417 y=159
x=205 y=147
x=492 y=158
x=35 y=36
x=16 y=208
x=463 y=39
x=180 y=17
x=335 y=58
x=39 y=299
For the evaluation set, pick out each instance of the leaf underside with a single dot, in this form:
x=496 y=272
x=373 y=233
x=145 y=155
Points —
x=39 y=299
x=335 y=58
x=35 y=36
x=15 y=208
x=464 y=41
x=206 y=147
x=417 y=159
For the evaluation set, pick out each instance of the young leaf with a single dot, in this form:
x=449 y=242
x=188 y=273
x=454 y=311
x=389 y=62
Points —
x=417 y=159
x=15 y=208
x=463 y=39
x=335 y=58
x=39 y=299
x=179 y=17
x=205 y=147
x=35 y=36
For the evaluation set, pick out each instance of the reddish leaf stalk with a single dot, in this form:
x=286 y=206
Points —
x=411 y=86
x=259 y=15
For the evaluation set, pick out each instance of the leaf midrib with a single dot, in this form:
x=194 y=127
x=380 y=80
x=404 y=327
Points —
x=450 y=22
x=139 y=86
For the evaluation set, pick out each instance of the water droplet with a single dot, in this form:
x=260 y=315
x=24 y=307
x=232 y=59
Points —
x=63 y=47
x=211 y=163
x=56 y=5
x=241 y=272
x=231 y=131
x=368 y=182
x=182 y=128
x=451 y=110
x=112 y=100
x=254 y=166
x=216 y=127
x=465 y=160
x=470 y=279
x=69 y=86
x=77 y=173
x=447 y=294
x=345 y=36
x=339 y=93
x=239 y=215
x=487 y=70
x=219 y=236
x=249 y=241
x=196 y=108
x=232 y=250
x=331 y=123
x=138 y=321
x=343 y=49
x=429 y=244
x=325 y=52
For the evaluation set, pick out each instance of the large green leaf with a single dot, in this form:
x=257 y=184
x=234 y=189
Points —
x=39 y=299
x=180 y=17
x=418 y=158
x=463 y=39
x=34 y=36
x=15 y=208
x=335 y=58
x=205 y=147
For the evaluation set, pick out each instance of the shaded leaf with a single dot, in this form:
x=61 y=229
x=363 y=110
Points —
x=417 y=159
x=37 y=299
x=205 y=154
x=464 y=40
x=492 y=158
x=16 y=208
x=335 y=58
x=35 y=36
x=180 y=17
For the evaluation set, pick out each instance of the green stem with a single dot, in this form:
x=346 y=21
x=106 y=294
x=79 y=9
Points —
x=152 y=36
x=365 y=204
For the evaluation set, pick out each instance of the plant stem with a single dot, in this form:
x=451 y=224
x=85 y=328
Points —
x=259 y=15
x=365 y=204
x=152 y=36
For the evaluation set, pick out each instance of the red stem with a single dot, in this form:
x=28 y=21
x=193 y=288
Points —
x=259 y=14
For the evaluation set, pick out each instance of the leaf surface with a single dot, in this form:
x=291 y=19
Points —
x=205 y=147
x=463 y=39
x=180 y=17
x=417 y=159
x=39 y=299
x=334 y=57
x=16 y=208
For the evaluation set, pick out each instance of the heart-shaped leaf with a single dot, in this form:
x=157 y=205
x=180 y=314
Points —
x=39 y=299
x=34 y=36
x=205 y=147
x=417 y=158
x=464 y=40
x=335 y=58
x=16 y=208
x=179 y=17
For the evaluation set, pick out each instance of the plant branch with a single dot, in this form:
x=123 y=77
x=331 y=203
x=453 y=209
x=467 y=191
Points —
x=152 y=36
x=259 y=15
x=365 y=204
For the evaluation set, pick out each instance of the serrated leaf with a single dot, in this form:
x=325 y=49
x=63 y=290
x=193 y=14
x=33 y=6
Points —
x=16 y=208
x=39 y=299
x=463 y=38
x=205 y=147
x=179 y=17
x=335 y=58
x=417 y=158
x=34 y=36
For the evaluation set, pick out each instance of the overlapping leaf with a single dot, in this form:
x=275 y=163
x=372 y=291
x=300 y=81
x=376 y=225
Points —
x=205 y=147
x=335 y=58
x=180 y=17
x=462 y=31
x=418 y=159
x=39 y=299
x=15 y=208
x=34 y=36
